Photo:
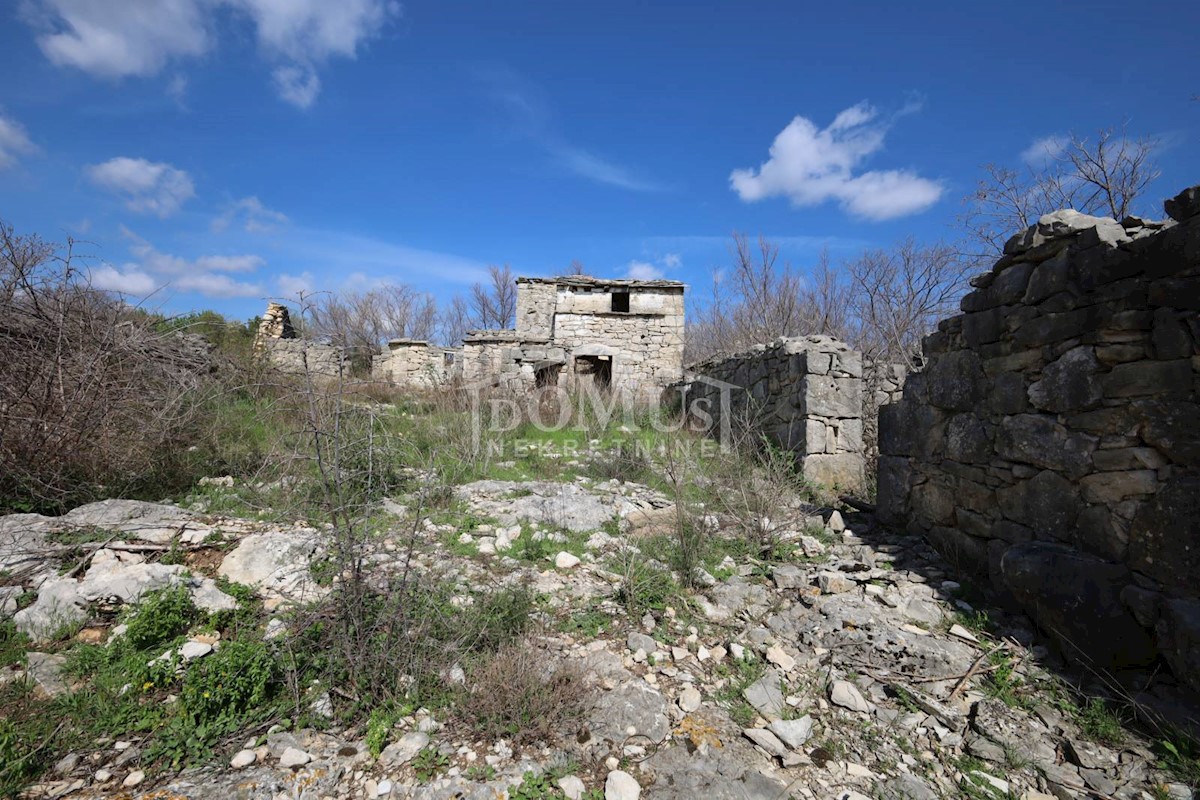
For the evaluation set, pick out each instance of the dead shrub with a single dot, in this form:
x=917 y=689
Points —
x=95 y=400
x=518 y=694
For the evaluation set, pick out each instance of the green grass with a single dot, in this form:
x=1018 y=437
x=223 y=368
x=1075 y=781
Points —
x=1101 y=722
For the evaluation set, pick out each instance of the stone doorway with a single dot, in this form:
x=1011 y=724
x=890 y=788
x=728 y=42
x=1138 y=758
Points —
x=594 y=370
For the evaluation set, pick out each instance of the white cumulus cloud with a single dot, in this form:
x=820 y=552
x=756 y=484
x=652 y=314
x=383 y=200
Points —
x=147 y=187
x=14 y=142
x=142 y=37
x=812 y=165
x=294 y=285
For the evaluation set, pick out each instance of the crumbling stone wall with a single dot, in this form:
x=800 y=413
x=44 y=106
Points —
x=805 y=394
x=1051 y=442
x=277 y=340
x=507 y=358
x=276 y=323
x=413 y=363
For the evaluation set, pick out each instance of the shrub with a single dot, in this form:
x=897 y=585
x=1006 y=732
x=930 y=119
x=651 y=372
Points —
x=240 y=676
x=517 y=695
x=161 y=616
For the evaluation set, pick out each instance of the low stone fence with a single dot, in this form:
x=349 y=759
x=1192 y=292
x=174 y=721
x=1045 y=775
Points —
x=1051 y=441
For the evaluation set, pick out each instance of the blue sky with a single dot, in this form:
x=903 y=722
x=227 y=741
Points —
x=217 y=152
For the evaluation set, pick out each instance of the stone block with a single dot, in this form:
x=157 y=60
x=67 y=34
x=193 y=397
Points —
x=832 y=397
x=1164 y=537
x=1113 y=487
x=1047 y=503
x=1141 y=378
x=1179 y=636
x=894 y=480
x=956 y=381
x=1040 y=440
x=1069 y=383
x=967 y=439
x=838 y=470
x=1075 y=597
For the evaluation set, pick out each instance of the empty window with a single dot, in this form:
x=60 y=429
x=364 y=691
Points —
x=620 y=301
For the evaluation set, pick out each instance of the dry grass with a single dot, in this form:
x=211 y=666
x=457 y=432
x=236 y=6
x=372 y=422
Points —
x=518 y=695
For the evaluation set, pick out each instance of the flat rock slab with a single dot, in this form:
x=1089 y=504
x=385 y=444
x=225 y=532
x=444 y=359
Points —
x=277 y=564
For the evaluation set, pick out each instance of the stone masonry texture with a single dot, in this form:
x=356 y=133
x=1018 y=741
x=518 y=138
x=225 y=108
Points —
x=1051 y=444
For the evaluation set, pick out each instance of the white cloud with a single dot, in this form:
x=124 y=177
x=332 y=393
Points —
x=148 y=187
x=14 y=142
x=643 y=271
x=254 y=216
x=115 y=40
x=177 y=90
x=672 y=260
x=142 y=37
x=812 y=165
x=294 y=285
x=1044 y=150
x=297 y=85
x=152 y=270
x=127 y=280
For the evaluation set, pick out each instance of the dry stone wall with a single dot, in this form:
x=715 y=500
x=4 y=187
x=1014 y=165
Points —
x=1051 y=441
x=413 y=363
x=301 y=357
x=804 y=394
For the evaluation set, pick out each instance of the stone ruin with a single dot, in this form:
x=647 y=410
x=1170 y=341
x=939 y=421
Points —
x=415 y=363
x=578 y=331
x=804 y=394
x=1050 y=444
x=277 y=340
x=571 y=332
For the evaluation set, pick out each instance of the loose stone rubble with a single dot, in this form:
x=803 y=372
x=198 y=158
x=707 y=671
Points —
x=844 y=673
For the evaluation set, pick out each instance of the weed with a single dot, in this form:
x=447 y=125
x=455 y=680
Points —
x=1002 y=682
x=515 y=695
x=535 y=787
x=1179 y=755
x=588 y=623
x=379 y=728
x=160 y=617
x=430 y=763
x=481 y=773
x=1100 y=722
x=13 y=644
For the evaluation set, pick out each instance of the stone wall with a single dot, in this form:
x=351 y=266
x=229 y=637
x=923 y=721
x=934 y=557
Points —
x=646 y=349
x=535 y=307
x=413 y=363
x=300 y=356
x=804 y=394
x=1051 y=441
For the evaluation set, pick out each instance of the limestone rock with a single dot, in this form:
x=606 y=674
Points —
x=621 y=785
x=847 y=695
x=294 y=757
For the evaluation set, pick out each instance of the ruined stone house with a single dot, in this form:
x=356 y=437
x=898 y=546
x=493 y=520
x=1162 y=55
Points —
x=575 y=331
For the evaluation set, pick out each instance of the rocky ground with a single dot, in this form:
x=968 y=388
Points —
x=853 y=668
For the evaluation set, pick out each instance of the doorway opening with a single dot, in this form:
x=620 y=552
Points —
x=596 y=370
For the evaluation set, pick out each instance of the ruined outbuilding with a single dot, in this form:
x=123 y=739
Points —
x=577 y=331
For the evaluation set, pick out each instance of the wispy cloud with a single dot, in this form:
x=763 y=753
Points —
x=337 y=255
x=151 y=270
x=1044 y=150
x=14 y=142
x=812 y=165
x=251 y=214
x=530 y=117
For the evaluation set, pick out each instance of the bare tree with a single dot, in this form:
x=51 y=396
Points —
x=898 y=295
x=759 y=300
x=455 y=321
x=364 y=320
x=1104 y=176
x=494 y=305
x=576 y=268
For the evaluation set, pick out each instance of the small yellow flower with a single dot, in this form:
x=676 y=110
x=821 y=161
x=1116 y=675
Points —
x=147 y=686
